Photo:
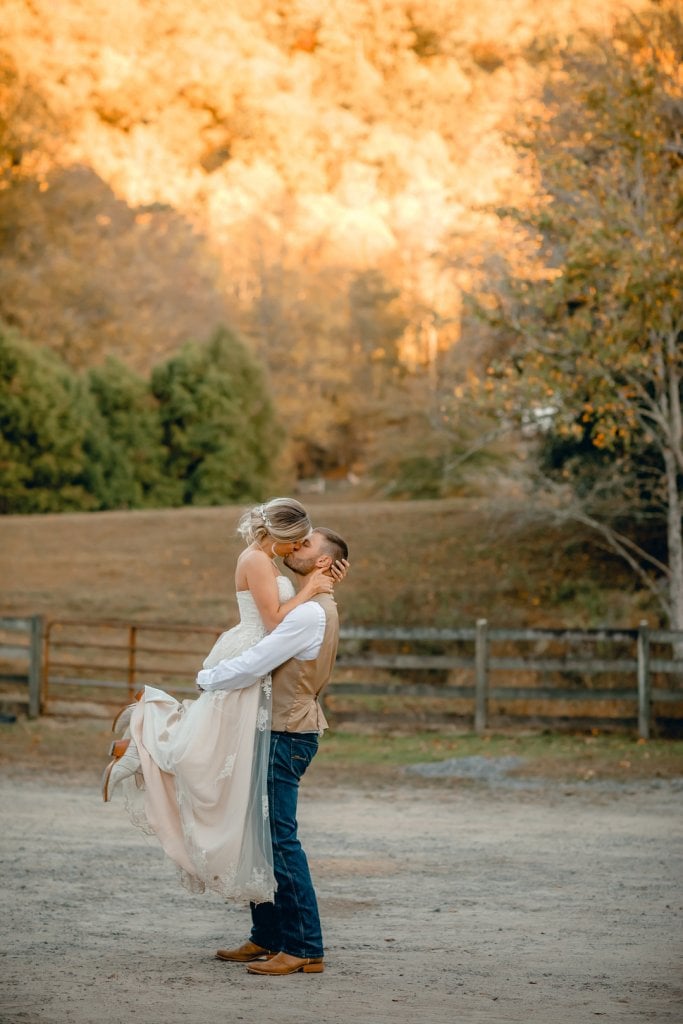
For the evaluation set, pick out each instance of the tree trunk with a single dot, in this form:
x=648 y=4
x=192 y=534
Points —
x=675 y=544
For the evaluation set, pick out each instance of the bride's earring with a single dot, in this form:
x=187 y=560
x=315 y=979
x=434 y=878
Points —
x=272 y=549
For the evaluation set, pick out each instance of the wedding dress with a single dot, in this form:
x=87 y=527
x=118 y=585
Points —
x=202 y=788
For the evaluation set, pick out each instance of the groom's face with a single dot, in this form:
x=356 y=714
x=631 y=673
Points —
x=305 y=559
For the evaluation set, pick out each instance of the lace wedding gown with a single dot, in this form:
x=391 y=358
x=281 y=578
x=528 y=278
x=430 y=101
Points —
x=204 y=767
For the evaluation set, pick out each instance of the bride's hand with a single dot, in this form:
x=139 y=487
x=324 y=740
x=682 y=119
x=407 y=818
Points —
x=318 y=583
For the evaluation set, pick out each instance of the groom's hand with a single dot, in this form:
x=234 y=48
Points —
x=200 y=688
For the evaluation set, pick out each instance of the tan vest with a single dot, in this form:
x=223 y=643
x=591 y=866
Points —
x=297 y=684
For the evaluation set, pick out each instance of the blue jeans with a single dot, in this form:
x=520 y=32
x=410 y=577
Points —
x=291 y=924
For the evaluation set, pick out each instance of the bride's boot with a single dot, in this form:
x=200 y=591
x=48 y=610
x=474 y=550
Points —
x=122 y=720
x=125 y=762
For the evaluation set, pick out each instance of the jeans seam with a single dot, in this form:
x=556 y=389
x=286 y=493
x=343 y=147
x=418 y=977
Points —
x=290 y=876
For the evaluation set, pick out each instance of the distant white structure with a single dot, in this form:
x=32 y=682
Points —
x=320 y=485
x=539 y=420
x=312 y=485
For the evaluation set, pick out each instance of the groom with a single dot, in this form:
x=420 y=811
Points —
x=286 y=936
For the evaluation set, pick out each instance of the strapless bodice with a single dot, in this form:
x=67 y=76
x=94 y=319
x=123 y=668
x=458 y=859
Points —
x=249 y=613
x=249 y=629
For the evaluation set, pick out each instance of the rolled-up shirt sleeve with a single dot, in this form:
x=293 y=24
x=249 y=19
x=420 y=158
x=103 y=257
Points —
x=299 y=635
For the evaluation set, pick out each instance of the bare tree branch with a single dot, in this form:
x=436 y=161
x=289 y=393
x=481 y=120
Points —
x=627 y=550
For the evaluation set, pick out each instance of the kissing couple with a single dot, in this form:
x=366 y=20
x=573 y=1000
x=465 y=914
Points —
x=216 y=779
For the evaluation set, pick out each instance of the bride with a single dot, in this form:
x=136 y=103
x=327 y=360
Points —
x=194 y=772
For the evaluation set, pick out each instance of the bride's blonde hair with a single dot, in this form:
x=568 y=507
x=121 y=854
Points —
x=280 y=518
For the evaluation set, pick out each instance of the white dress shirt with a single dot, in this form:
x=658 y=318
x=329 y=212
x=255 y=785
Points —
x=299 y=635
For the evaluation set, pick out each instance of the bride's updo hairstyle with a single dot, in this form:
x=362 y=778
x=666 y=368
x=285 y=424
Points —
x=283 y=519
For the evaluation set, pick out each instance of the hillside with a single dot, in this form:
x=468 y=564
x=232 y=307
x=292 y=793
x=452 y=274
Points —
x=440 y=563
x=344 y=128
x=317 y=175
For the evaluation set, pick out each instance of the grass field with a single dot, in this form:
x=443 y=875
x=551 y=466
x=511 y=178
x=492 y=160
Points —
x=442 y=563
x=436 y=563
x=78 y=747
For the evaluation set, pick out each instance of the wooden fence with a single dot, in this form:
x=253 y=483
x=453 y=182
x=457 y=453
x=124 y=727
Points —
x=21 y=659
x=480 y=671
x=566 y=674
x=109 y=660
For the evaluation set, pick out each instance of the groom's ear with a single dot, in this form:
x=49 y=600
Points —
x=323 y=562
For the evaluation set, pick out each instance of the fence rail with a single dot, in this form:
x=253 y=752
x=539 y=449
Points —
x=76 y=654
x=21 y=658
x=101 y=657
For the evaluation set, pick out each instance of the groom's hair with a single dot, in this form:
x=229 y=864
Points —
x=334 y=546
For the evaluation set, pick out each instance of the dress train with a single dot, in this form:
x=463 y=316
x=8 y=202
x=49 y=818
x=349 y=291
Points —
x=202 y=787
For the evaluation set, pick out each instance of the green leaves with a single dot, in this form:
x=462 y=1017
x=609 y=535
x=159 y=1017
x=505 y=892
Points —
x=218 y=425
x=595 y=330
x=43 y=429
x=203 y=433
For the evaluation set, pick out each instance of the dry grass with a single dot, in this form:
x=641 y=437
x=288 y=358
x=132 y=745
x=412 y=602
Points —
x=440 y=563
x=77 y=749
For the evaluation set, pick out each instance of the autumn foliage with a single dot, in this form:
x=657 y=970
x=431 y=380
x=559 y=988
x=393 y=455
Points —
x=334 y=193
x=171 y=167
x=591 y=335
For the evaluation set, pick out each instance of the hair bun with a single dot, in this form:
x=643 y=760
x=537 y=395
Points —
x=284 y=519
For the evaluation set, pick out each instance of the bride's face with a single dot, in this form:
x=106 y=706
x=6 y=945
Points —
x=304 y=561
x=282 y=548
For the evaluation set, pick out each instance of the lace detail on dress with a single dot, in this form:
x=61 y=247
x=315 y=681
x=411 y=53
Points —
x=262 y=719
x=191 y=882
x=256 y=889
x=228 y=767
x=213 y=817
x=133 y=802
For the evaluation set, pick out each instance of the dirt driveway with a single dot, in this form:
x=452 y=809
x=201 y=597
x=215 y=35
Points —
x=442 y=903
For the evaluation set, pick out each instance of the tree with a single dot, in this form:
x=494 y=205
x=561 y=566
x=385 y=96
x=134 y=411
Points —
x=296 y=320
x=424 y=452
x=89 y=276
x=217 y=421
x=594 y=336
x=44 y=427
x=330 y=342
x=125 y=442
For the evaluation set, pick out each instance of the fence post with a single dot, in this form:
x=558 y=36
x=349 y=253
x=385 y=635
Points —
x=644 y=702
x=132 y=653
x=35 y=666
x=481 y=681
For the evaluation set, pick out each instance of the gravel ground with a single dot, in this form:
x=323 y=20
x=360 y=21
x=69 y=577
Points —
x=442 y=901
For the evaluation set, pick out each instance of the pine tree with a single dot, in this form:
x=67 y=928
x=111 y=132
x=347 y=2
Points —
x=125 y=442
x=217 y=421
x=44 y=425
